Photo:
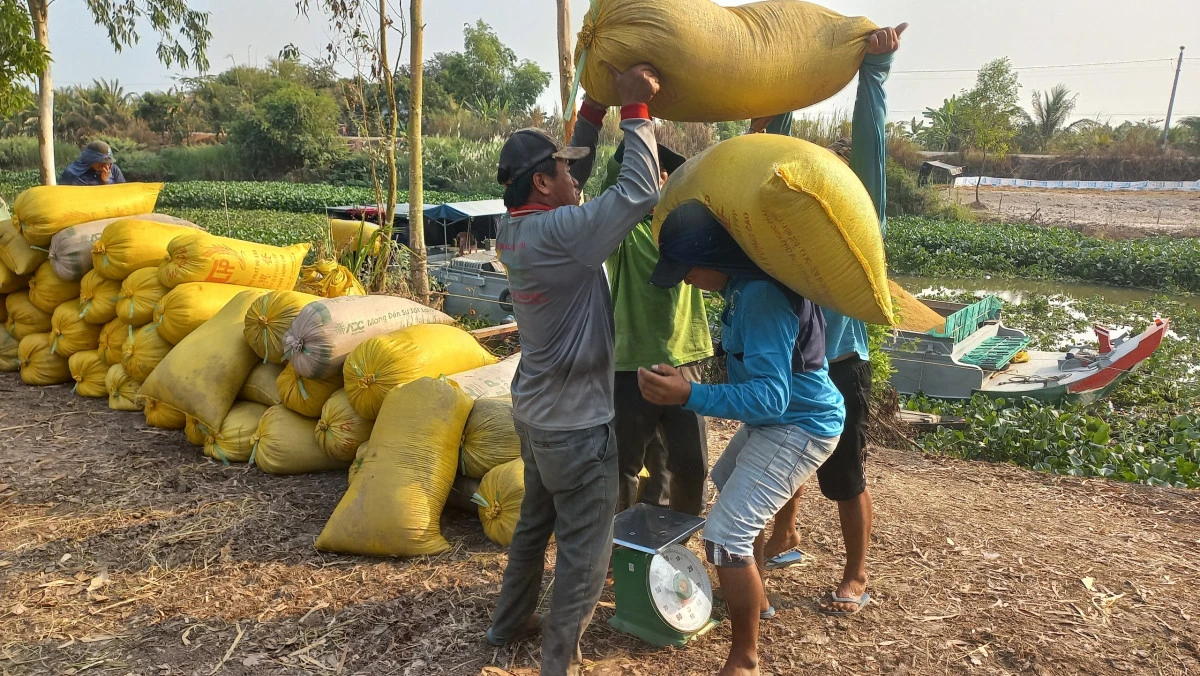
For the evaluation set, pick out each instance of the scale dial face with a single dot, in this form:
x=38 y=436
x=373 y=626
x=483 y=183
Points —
x=680 y=589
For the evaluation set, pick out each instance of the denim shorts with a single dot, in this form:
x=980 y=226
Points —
x=760 y=470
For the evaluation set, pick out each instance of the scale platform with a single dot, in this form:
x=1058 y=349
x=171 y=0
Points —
x=650 y=528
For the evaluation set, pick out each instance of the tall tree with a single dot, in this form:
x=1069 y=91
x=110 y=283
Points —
x=487 y=73
x=1051 y=109
x=418 y=270
x=21 y=55
x=988 y=110
x=183 y=40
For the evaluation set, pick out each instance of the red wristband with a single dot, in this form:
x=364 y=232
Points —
x=593 y=115
x=635 y=111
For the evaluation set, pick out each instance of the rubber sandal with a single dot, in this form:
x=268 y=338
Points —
x=768 y=614
x=862 y=601
x=794 y=557
x=499 y=642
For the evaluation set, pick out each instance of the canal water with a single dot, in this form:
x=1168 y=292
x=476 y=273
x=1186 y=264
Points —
x=1016 y=290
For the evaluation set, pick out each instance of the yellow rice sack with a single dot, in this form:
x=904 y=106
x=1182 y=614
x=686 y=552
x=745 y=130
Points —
x=144 y=352
x=140 y=293
x=191 y=430
x=354 y=235
x=341 y=430
x=10 y=358
x=325 y=332
x=261 y=385
x=799 y=212
x=162 y=416
x=47 y=290
x=328 y=279
x=359 y=455
x=71 y=249
x=39 y=365
x=201 y=257
x=490 y=439
x=15 y=252
x=11 y=281
x=488 y=381
x=98 y=298
x=235 y=440
x=284 y=444
x=499 y=498
x=204 y=372
x=305 y=396
x=69 y=333
x=24 y=318
x=133 y=244
x=111 y=343
x=89 y=372
x=43 y=210
x=394 y=503
x=187 y=306
x=269 y=318
x=723 y=63
x=382 y=364
x=122 y=390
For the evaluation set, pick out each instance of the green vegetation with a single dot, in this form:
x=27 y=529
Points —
x=1147 y=431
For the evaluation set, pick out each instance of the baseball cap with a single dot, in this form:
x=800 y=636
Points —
x=527 y=148
x=686 y=234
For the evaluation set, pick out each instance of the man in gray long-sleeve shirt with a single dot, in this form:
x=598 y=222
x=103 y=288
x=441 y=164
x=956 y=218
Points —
x=554 y=251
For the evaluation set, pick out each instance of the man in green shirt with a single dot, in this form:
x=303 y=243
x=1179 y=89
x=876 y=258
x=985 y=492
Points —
x=656 y=326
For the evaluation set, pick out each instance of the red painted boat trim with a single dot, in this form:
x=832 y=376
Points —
x=1148 y=342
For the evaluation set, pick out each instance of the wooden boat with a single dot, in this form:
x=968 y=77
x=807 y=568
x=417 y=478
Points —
x=976 y=353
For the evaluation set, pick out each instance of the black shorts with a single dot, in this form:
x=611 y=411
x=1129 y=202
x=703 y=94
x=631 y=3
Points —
x=843 y=476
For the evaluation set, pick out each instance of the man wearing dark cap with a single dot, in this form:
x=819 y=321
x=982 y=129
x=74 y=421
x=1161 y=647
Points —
x=95 y=166
x=554 y=251
x=656 y=326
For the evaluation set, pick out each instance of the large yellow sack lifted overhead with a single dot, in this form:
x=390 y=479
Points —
x=381 y=364
x=11 y=281
x=140 y=293
x=25 y=318
x=490 y=439
x=201 y=257
x=269 y=318
x=10 y=357
x=205 y=371
x=341 y=430
x=111 y=344
x=325 y=332
x=89 y=372
x=723 y=63
x=69 y=333
x=15 y=252
x=799 y=212
x=98 y=298
x=305 y=396
x=71 y=249
x=235 y=440
x=42 y=211
x=284 y=444
x=187 y=306
x=122 y=390
x=162 y=416
x=40 y=366
x=394 y=503
x=143 y=352
x=499 y=498
x=47 y=290
x=133 y=244
x=262 y=386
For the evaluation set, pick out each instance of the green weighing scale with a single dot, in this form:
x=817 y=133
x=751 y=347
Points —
x=664 y=596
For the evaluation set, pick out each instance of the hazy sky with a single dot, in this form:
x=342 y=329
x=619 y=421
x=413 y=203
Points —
x=945 y=35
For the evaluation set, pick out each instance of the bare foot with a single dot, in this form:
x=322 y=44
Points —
x=739 y=668
x=780 y=542
x=848 y=589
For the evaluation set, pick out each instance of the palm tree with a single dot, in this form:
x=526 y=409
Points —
x=944 y=131
x=1050 y=112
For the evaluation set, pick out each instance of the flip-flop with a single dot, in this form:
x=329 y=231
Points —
x=794 y=557
x=767 y=614
x=862 y=601
x=498 y=642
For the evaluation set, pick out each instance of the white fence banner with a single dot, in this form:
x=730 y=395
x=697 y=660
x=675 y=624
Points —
x=988 y=181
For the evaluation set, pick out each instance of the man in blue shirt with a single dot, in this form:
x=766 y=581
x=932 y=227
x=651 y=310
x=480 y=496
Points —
x=843 y=478
x=95 y=166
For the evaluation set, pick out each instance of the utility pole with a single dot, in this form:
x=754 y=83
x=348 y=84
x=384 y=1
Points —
x=566 y=67
x=1171 y=105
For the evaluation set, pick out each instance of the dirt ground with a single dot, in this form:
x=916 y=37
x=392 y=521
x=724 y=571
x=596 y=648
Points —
x=1117 y=215
x=123 y=551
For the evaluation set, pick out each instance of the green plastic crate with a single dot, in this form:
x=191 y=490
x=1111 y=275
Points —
x=994 y=353
x=964 y=322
